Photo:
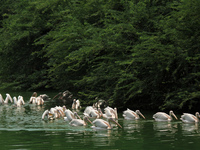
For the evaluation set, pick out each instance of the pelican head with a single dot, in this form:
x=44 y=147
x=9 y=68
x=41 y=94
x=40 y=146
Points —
x=50 y=116
x=171 y=113
x=112 y=120
x=139 y=113
x=197 y=115
x=86 y=119
x=76 y=114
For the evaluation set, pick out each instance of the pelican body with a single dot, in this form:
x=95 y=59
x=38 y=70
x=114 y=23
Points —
x=80 y=122
x=110 y=112
x=18 y=102
x=76 y=104
x=91 y=112
x=131 y=115
x=190 y=118
x=69 y=115
x=102 y=124
x=161 y=116
x=49 y=115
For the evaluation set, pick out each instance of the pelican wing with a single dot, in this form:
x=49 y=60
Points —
x=130 y=115
x=186 y=117
x=161 y=116
x=77 y=122
x=45 y=114
x=101 y=123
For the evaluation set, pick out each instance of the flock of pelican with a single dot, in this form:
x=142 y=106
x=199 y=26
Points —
x=109 y=118
x=93 y=114
x=18 y=101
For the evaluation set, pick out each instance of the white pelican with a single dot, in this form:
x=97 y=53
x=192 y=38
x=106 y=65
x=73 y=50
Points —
x=131 y=115
x=69 y=115
x=39 y=100
x=91 y=112
x=99 y=103
x=33 y=98
x=80 y=122
x=61 y=110
x=18 y=102
x=76 y=104
x=21 y=99
x=56 y=112
x=8 y=97
x=110 y=113
x=1 y=99
x=48 y=114
x=102 y=124
x=161 y=116
x=190 y=118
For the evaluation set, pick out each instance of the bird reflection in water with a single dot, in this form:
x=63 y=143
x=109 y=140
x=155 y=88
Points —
x=165 y=128
x=105 y=137
x=132 y=125
x=188 y=128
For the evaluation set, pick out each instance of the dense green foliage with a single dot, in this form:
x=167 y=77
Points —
x=136 y=54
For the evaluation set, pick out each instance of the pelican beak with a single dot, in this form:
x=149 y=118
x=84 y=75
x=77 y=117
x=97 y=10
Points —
x=111 y=119
x=142 y=115
x=77 y=115
x=50 y=116
x=175 y=116
x=89 y=120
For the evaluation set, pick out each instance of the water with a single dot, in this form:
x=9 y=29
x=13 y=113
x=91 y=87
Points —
x=22 y=128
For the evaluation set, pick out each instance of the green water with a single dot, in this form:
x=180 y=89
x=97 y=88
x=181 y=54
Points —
x=22 y=128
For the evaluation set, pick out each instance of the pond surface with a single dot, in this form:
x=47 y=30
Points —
x=22 y=128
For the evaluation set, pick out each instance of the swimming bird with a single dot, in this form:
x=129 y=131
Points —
x=39 y=100
x=190 y=118
x=161 y=116
x=80 y=122
x=69 y=115
x=61 y=110
x=18 y=102
x=33 y=98
x=1 y=99
x=56 y=112
x=76 y=104
x=110 y=112
x=131 y=115
x=8 y=97
x=102 y=124
x=48 y=114
x=91 y=112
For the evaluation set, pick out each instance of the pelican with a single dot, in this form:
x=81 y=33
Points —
x=39 y=100
x=8 y=97
x=102 y=124
x=131 y=115
x=48 y=114
x=33 y=98
x=91 y=112
x=80 y=122
x=61 y=110
x=99 y=103
x=69 y=115
x=18 y=102
x=161 y=116
x=1 y=99
x=110 y=113
x=21 y=99
x=76 y=104
x=190 y=118
x=56 y=112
